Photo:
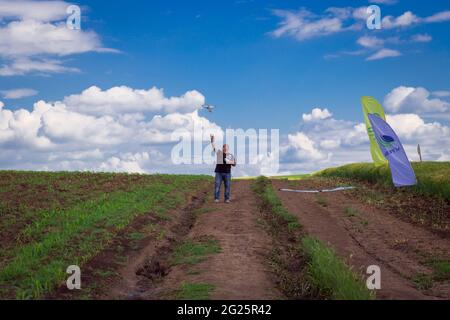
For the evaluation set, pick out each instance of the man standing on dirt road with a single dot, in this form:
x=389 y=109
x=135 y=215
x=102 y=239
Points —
x=223 y=170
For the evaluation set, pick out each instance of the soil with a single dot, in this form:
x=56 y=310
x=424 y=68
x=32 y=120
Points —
x=240 y=270
x=243 y=269
x=370 y=236
x=115 y=273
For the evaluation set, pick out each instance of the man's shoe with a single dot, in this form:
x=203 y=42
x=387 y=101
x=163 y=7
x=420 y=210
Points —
x=216 y=200
x=227 y=201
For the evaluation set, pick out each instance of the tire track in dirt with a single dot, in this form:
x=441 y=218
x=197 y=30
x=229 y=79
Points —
x=371 y=237
x=240 y=270
x=145 y=264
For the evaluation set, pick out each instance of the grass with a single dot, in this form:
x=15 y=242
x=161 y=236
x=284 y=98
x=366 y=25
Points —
x=70 y=218
x=193 y=252
x=441 y=269
x=426 y=204
x=194 y=291
x=201 y=211
x=441 y=272
x=263 y=187
x=321 y=200
x=327 y=274
x=433 y=177
x=104 y=273
x=372 y=196
x=136 y=236
x=331 y=275
x=423 y=281
x=350 y=212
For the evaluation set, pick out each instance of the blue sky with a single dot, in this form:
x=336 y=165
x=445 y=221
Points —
x=230 y=52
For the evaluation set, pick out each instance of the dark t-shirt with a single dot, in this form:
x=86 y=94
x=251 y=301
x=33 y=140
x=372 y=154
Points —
x=223 y=167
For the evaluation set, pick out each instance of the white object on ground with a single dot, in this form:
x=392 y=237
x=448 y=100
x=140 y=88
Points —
x=316 y=191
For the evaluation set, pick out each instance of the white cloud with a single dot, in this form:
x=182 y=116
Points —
x=334 y=142
x=127 y=100
x=317 y=114
x=132 y=163
x=25 y=9
x=59 y=136
x=322 y=144
x=438 y=17
x=37 y=36
x=301 y=148
x=408 y=19
x=30 y=38
x=421 y=38
x=405 y=99
x=95 y=154
x=384 y=53
x=54 y=136
x=441 y=94
x=18 y=93
x=359 y=13
x=78 y=127
x=374 y=46
x=24 y=65
x=303 y=24
x=412 y=127
x=330 y=144
x=433 y=137
x=319 y=144
x=355 y=135
x=174 y=121
x=387 y=2
x=20 y=129
x=370 y=41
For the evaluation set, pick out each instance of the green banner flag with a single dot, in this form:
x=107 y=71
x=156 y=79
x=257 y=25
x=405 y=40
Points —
x=372 y=106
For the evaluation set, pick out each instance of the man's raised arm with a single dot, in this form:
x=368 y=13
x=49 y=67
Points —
x=213 y=142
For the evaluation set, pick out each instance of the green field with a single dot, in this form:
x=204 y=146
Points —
x=49 y=221
x=433 y=177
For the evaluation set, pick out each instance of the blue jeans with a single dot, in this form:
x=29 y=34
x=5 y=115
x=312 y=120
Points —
x=226 y=178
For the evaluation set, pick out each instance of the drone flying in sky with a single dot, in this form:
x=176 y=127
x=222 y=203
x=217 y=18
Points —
x=208 y=107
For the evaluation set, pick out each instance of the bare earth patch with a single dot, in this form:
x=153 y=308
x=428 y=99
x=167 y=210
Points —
x=239 y=270
x=364 y=235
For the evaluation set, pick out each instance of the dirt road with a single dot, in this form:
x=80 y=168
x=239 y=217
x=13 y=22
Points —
x=221 y=251
x=366 y=236
x=238 y=271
